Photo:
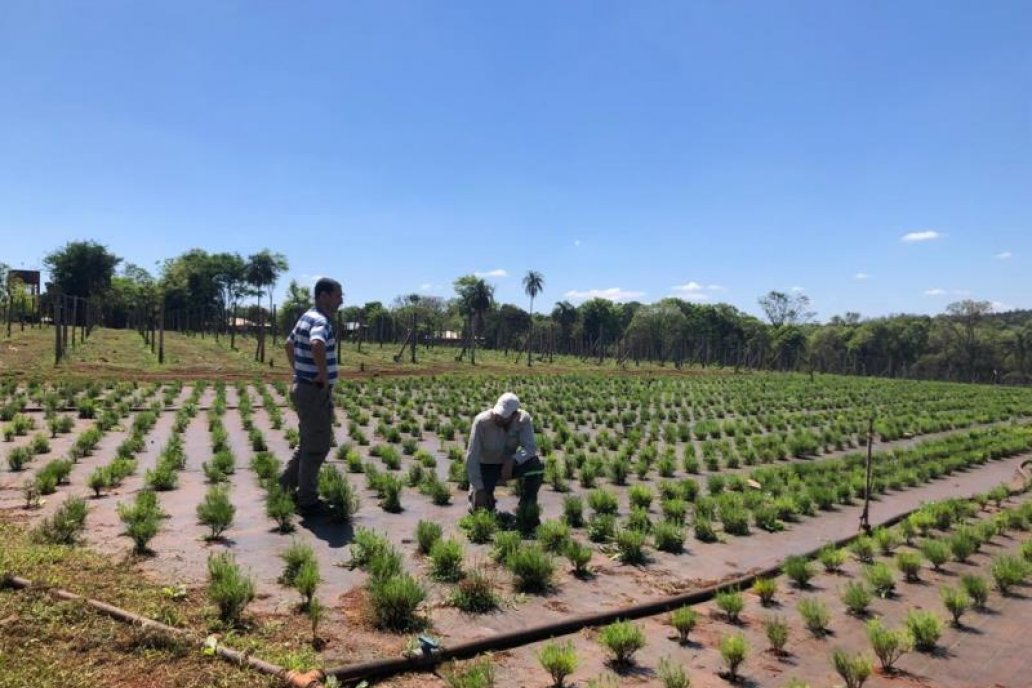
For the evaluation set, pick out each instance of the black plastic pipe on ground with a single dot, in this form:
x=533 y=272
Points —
x=354 y=673
x=382 y=668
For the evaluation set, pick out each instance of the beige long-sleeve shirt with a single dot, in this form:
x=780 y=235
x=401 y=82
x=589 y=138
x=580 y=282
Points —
x=490 y=443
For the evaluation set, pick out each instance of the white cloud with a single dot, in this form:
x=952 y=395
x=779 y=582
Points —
x=694 y=291
x=576 y=242
x=962 y=292
x=1004 y=255
x=693 y=287
x=861 y=276
x=1000 y=307
x=926 y=235
x=426 y=286
x=797 y=290
x=689 y=287
x=611 y=294
x=934 y=292
x=498 y=272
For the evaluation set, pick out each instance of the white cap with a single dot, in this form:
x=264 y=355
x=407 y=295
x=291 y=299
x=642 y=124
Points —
x=507 y=405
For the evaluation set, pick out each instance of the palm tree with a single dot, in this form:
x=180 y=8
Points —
x=533 y=283
x=475 y=299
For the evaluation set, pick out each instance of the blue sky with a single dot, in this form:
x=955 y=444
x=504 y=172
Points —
x=712 y=150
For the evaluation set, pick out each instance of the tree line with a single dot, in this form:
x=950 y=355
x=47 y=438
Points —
x=222 y=291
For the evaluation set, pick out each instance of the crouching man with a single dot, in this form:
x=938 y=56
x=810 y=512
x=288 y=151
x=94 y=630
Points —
x=501 y=446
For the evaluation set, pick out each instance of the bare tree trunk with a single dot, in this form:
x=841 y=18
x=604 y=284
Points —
x=161 y=335
x=530 y=334
x=414 y=337
x=258 y=339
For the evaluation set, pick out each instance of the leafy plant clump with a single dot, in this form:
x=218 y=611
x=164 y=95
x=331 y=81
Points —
x=909 y=564
x=306 y=580
x=279 y=506
x=427 y=533
x=477 y=674
x=446 y=560
x=831 y=558
x=339 y=494
x=622 y=639
x=559 y=660
x=731 y=603
x=573 y=511
x=142 y=519
x=631 y=546
x=480 y=526
x=776 y=630
x=579 y=556
x=936 y=552
x=294 y=557
x=228 y=587
x=854 y=669
x=672 y=675
x=765 y=589
x=506 y=542
x=1008 y=571
x=394 y=599
x=65 y=525
x=532 y=568
x=857 y=598
x=925 y=628
x=553 y=536
x=733 y=650
x=668 y=537
x=956 y=601
x=881 y=579
x=799 y=569
x=816 y=615
x=976 y=588
x=216 y=511
x=683 y=620
x=475 y=593
x=888 y=645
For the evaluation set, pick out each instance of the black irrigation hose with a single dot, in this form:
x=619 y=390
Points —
x=383 y=668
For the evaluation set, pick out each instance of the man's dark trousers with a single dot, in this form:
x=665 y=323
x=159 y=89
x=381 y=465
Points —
x=314 y=406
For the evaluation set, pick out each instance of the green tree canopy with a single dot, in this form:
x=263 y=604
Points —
x=82 y=268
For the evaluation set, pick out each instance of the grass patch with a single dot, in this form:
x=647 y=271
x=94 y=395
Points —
x=43 y=633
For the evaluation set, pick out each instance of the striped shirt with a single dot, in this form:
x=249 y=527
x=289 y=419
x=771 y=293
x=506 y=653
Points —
x=313 y=326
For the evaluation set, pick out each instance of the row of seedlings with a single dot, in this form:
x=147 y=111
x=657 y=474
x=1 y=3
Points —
x=216 y=510
x=921 y=629
x=142 y=517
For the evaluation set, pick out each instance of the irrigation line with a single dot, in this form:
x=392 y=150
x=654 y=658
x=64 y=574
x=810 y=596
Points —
x=382 y=668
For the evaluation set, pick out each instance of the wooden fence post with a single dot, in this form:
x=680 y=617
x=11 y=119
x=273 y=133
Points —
x=57 y=327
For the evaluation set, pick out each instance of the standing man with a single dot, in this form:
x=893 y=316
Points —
x=312 y=351
x=501 y=446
